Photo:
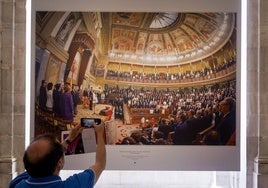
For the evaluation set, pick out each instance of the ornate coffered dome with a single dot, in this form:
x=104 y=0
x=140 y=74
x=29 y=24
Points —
x=164 y=38
x=196 y=45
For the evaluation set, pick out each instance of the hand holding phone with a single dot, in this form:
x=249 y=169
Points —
x=89 y=122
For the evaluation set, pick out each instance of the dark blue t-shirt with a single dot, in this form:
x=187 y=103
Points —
x=84 y=179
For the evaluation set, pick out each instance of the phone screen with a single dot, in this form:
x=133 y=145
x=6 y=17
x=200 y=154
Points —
x=89 y=122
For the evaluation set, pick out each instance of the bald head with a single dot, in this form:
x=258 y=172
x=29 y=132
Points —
x=37 y=150
x=42 y=156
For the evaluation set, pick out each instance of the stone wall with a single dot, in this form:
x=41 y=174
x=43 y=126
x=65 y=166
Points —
x=258 y=91
x=252 y=87
x=12 y=88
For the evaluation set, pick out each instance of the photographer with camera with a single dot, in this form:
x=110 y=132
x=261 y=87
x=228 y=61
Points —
x=44 y=158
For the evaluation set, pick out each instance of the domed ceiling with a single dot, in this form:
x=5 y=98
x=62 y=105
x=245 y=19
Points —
x=164 y=38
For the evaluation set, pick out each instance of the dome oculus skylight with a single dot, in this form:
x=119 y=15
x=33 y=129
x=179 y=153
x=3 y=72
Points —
x=163 y=19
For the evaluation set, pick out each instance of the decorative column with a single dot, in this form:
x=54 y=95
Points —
x=260 y=47
x=12 y=88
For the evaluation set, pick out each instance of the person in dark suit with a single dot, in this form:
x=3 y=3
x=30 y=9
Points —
x=76 y=98
x=43 y=95
x=90 y=97
x=193 y=124
x=165 y=127
x=181 y=134
x=56 y=100
x=227 y=125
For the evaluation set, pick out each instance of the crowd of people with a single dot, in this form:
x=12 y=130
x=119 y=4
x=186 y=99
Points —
x=206 y=72
x=60 y=99
x=192 y=110
x=186 y=128
x=173 y=99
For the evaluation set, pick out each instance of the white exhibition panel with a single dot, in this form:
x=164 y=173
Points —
x=172 y=158
x=181 y=158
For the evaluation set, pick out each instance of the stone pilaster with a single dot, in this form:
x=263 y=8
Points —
x=252 y=88
x=260 y=175
x=12 y=88
x=7 y=170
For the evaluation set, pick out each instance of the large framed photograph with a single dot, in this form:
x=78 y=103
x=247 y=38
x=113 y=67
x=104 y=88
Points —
x=164 y=77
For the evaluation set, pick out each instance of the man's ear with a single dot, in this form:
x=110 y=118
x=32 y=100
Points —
x=60 y=163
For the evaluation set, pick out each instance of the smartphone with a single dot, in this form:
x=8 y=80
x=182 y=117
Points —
x=88 y=122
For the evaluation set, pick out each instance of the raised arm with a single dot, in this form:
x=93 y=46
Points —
x=75 y=131
x=100 y=161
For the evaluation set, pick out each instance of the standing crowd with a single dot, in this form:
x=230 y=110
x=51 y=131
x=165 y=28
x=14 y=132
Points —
x=62 y=99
